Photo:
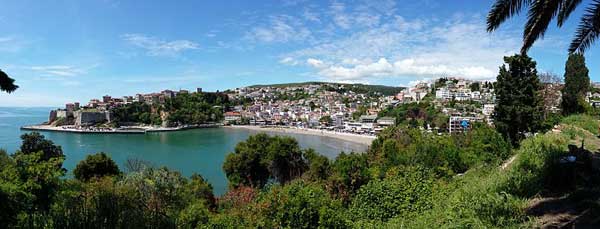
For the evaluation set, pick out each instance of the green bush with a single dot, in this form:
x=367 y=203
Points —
x=301 y=205
x=406 y=194
x=96 y=165
x=193 y=216
x=531 y=169
x=585 y=122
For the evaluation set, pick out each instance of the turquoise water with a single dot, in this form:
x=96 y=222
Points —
x=200 y=150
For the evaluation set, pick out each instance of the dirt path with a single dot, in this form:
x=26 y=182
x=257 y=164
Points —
x=508 y=162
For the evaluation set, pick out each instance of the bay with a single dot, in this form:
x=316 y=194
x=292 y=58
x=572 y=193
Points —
x=190 y=151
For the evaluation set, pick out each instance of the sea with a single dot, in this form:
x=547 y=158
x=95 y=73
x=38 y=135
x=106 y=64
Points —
x=200 y=151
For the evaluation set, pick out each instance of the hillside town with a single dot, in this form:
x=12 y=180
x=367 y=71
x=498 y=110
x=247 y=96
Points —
x=325 y=106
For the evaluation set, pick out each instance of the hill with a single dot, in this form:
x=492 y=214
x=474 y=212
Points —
x=359 y=88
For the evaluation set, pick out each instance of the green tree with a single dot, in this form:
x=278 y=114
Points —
x=475 y=86
x=245 y=166
x=40 y=179
x=199 y=188
x=96 y=165
x=193 y=216
x=326 y=120
x=301 y=205
x=286 y=161
x=262 y=157
x=405 y=194
x=35 y=142
x=7 y=84
x=577 y=83
x=541 y=13
x=318 y=166
x=518 y=106
x=349 y=172
x=11 y=194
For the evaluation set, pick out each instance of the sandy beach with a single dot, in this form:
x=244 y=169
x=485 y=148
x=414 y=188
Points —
x=357 y=138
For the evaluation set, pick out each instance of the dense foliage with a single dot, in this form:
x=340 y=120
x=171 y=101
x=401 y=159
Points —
x=445 y=155
x=577 y=84
x=518 y=106
x=422 y=114
x=183 y=109
x=196 y=108
x=7 y=84
x=137 y=112
x=262 y=157
x=409 y=178
x=540 y=14
x=95 y=166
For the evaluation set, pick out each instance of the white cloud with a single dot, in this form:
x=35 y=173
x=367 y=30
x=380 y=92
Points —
x=315 y=63
x=281 y=28
x=288 y=61
x=340 y=18
x=157 y=47
x=383 y=67
x=58 y=70
x=413 y=49
x=11 y=44
x=311 y=16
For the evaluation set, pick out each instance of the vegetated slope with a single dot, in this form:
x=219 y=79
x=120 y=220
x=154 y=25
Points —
x=358 y=88
x=535 y=190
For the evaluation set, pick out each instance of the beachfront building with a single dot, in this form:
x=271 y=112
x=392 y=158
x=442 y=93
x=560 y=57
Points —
x=386 y=121
x=232 y=117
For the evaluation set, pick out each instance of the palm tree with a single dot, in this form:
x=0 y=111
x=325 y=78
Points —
x=541 y=13
x=6 y=83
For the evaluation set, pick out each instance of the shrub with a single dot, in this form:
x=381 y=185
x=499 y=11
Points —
x=301 y=205
x=404 y=195
x=193 y=216
x=531 y=169
x=96 y=165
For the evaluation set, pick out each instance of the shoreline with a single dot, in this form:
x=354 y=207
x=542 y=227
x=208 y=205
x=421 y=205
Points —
x=350 y=137
x=355 y=138
x=121 y=130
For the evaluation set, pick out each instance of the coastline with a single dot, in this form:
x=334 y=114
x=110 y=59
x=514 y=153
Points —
x=356 y=138
x=121 y=130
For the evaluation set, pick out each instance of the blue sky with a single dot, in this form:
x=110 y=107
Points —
x=63 y=51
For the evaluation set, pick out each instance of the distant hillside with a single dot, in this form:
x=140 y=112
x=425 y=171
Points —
x=359 y=88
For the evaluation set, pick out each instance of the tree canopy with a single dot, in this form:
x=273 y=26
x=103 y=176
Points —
x=95 y=166
x=262 y=157
x=577 y=84
x=518 y=106
x=7 y=84
x=539 y=15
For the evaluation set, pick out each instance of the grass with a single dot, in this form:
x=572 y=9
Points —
x=490 y=197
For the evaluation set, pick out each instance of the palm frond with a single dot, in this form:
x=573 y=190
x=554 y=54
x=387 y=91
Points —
x=566 y=8
x=502 y=10
x=6 y=83
x=539 y=17
x=588 y=30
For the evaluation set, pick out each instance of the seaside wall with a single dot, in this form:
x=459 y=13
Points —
x=87 y=118
x=61 y=114
x=52 y=116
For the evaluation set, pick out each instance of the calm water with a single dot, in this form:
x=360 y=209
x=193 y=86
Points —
x=201 y=150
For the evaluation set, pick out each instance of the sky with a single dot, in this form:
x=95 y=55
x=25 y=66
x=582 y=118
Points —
x=73 y=50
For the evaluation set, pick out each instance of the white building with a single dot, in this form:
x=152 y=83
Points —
x=488 y=109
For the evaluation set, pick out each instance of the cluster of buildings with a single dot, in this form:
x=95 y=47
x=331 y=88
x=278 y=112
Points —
x=108 y=101
x=358 y=112
x=99 y=110
x=319 y=106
